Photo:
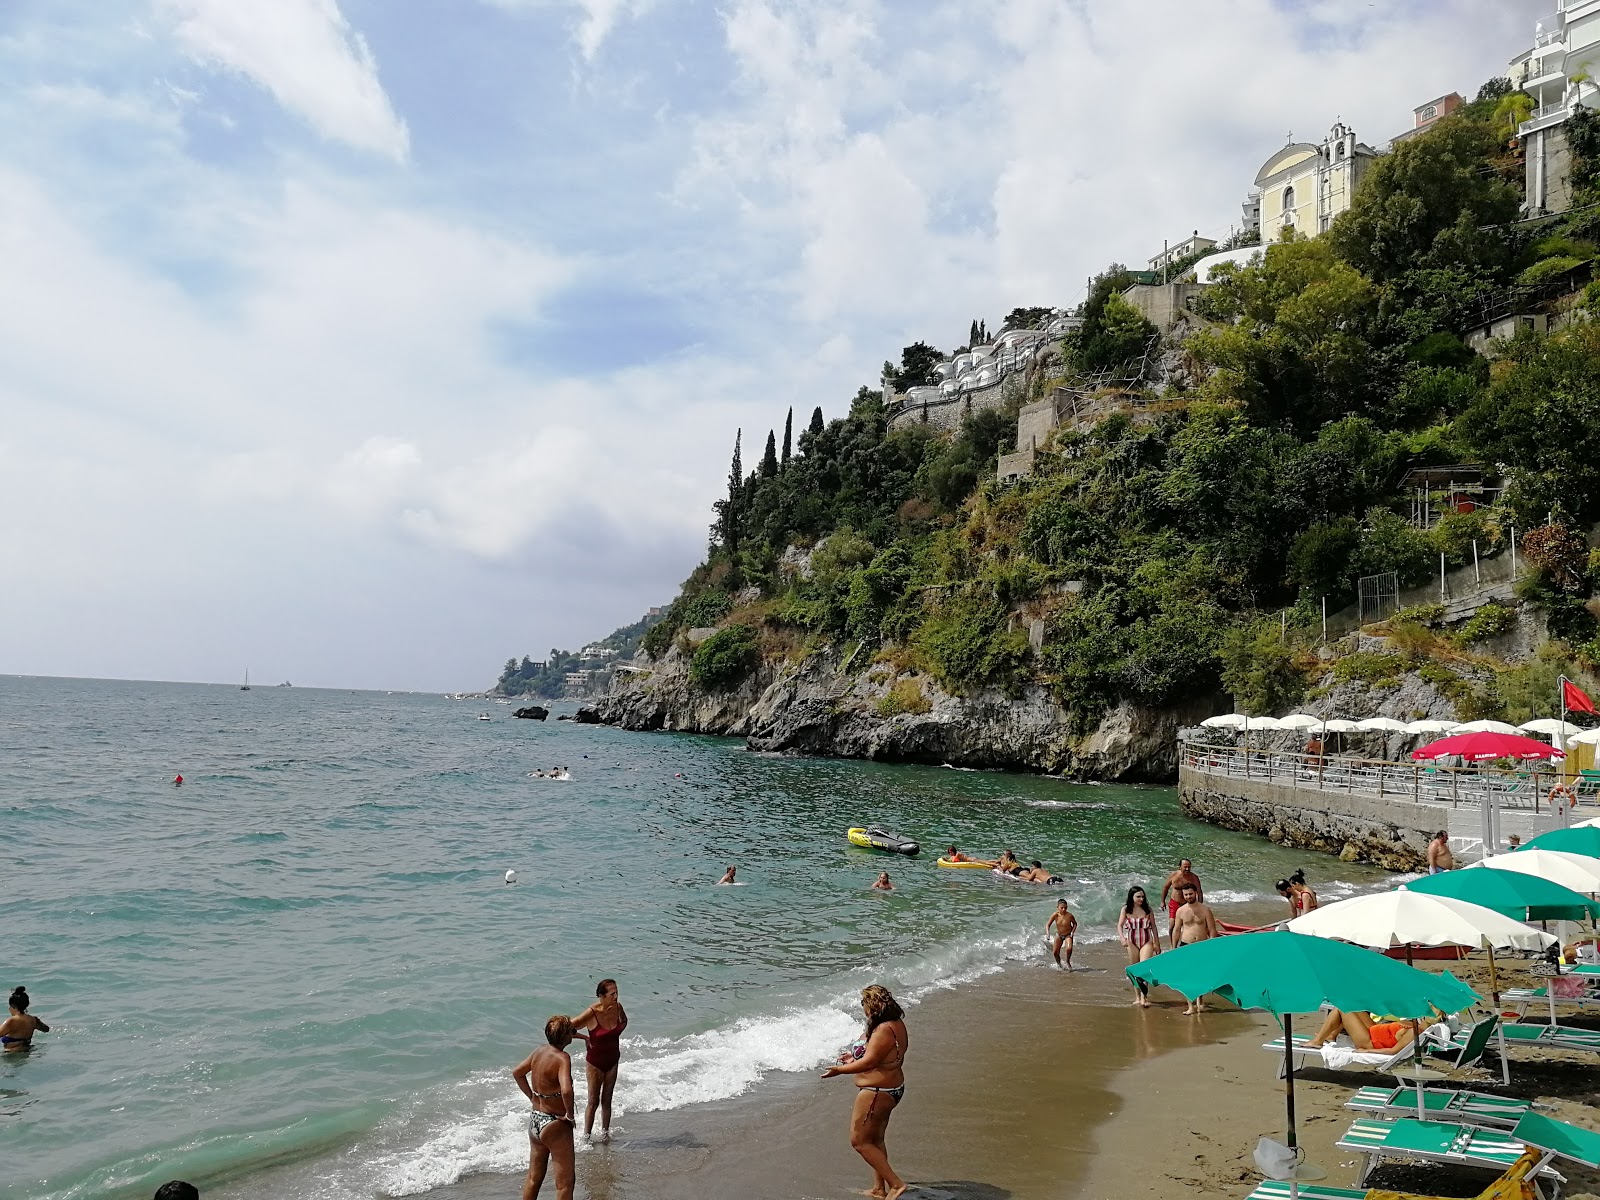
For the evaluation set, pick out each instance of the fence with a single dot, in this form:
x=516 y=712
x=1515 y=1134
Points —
x=1419 y=782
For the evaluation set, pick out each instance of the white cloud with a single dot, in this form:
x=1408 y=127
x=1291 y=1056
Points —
x=303 y=52
x=596 y=18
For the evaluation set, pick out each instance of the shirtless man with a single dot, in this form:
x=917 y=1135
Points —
x=1062 y=924
x=1036 y=872
x=545 y=1078
x=1193 y=922
x=1439 y=856
x=728 y=878
x=1181 y=878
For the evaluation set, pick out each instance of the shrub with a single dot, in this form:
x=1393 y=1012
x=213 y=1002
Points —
x=1547 y=269
x=1491 y=620
x=1457 y=531
x=705 y=609
x=1369 y=667
x=725 y=659
x=967 y=645
x=1260 y=670
x=904 y=697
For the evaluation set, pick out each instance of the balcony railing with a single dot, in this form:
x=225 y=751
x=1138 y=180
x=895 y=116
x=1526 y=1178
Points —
x=1420 y=783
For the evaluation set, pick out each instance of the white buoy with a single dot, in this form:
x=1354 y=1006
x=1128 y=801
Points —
x=511 y=876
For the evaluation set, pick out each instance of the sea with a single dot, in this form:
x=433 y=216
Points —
x=303 y=973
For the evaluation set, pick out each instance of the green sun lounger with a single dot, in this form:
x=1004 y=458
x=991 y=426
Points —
x=1278 y=1189
x=1522 y=999
x=1557 y=1037
x=1435 y=1142
x=1441 y=1104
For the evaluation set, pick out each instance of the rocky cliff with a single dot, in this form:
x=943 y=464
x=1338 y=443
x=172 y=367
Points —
x=814 y=706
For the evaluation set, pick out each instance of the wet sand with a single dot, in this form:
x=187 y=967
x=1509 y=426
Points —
x=1008 y=1080
x=1038 y=1083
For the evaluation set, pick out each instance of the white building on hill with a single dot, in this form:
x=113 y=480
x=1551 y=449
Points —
x=1557 y=74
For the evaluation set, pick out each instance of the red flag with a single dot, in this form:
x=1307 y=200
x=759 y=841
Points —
x=1574 y=698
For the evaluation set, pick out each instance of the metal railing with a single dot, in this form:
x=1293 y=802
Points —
x=1417 y=782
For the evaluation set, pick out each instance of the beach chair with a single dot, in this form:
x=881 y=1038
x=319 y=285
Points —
x=1574 y=994
x=1557 y=1037
x=1278 y=1189
x=1440 y=1142
x=1464 y=1050
x=1441 y=1104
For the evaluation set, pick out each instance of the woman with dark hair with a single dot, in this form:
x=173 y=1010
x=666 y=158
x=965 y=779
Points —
x=545 y=1078
x=17 y=1030
x=1300 y=897
x=878 y=1059
x=605 y=1020
x=1136 y=930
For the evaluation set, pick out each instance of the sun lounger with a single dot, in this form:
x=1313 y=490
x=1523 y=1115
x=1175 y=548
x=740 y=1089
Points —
x=1441 y=1104
x=1464 y=1050
x=1436 y=1142
x=1557 y=1037
x=1278 y=1189
x=1567 y=990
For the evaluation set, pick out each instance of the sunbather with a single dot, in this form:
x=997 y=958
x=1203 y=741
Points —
x=1365 y=1033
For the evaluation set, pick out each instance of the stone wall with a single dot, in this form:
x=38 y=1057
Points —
x=1164 y=305
x=947 y=415
x=1391 y=832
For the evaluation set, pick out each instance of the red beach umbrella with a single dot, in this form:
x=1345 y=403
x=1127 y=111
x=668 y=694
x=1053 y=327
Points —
x=1481 y=747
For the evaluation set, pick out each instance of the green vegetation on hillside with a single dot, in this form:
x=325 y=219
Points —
x=548 y=680
x=1154 y=553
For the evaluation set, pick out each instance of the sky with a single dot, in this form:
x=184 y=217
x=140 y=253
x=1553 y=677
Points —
x=369 y=343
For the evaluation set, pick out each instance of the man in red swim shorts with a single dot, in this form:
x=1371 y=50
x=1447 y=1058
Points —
x=1181 y=878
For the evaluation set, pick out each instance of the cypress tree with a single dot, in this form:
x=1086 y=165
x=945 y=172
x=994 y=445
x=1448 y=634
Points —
x=788 y=429
x=769 y=457
x=972 y=335
x=816 y=420
x=728 y=511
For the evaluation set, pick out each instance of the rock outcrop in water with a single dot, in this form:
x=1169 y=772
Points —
x=815 y=707
x=532 y=713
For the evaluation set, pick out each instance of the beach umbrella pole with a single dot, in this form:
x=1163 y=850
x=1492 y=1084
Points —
x=1288 y=1093
x=1499 y=1020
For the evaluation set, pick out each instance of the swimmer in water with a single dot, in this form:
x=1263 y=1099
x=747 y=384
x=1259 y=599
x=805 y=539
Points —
x=728 y=878
x=17 y=1030
x=882 y=883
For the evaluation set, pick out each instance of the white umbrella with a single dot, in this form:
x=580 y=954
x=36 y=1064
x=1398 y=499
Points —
x=1430 y=726
x=1397 y=918
x=1385 y=724
x=1589 y=737
x=1300 y=721
x=1483 y=727
x=1226 y=721
x=1549 y=725
x=1340 y=725
x=1575 y=871
x=1592 y=823
x=1405 y=918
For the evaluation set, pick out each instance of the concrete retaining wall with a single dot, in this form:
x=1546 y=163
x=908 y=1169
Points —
x=1391 y=833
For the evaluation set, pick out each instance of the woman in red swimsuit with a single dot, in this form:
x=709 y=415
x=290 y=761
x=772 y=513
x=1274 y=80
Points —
x=605 y=1020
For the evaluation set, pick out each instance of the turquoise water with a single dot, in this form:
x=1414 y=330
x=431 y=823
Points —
x=308 y=953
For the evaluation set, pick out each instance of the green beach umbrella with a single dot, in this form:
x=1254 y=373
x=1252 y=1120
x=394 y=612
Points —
x=1511 y=893
x=1286 y=973
x=1578 y=840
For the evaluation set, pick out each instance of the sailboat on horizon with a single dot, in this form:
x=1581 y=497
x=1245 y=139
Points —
x=245 y=686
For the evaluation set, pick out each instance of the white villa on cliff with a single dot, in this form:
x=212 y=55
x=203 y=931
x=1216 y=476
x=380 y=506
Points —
x=1557 y=73
x=975 y=378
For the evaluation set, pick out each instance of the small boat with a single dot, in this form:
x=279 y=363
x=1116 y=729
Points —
x=1427 y=953
x=245 y=687
x=871 y=837
x=483 y=716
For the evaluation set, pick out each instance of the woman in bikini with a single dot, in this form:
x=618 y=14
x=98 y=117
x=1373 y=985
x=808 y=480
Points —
x=17 y=1030
x=1136 y=930
x=550 y=1122
x=605 y=1020
x=878 y=1061
x=1300 y=897
x=1365 y=1033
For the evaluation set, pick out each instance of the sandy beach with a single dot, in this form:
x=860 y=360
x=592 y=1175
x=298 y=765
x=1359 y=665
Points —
x=1038 y=1083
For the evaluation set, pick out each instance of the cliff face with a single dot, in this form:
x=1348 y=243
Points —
x=813 y=707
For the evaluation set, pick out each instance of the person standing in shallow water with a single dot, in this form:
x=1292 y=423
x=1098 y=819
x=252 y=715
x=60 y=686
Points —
x=17 y=1030
x=605 y=1020
x=1136 y=930
x=878 y=1061
x=1061 y=926
x=545 y=1078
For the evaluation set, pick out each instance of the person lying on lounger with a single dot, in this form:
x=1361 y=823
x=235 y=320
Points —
x=1365 y=1033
